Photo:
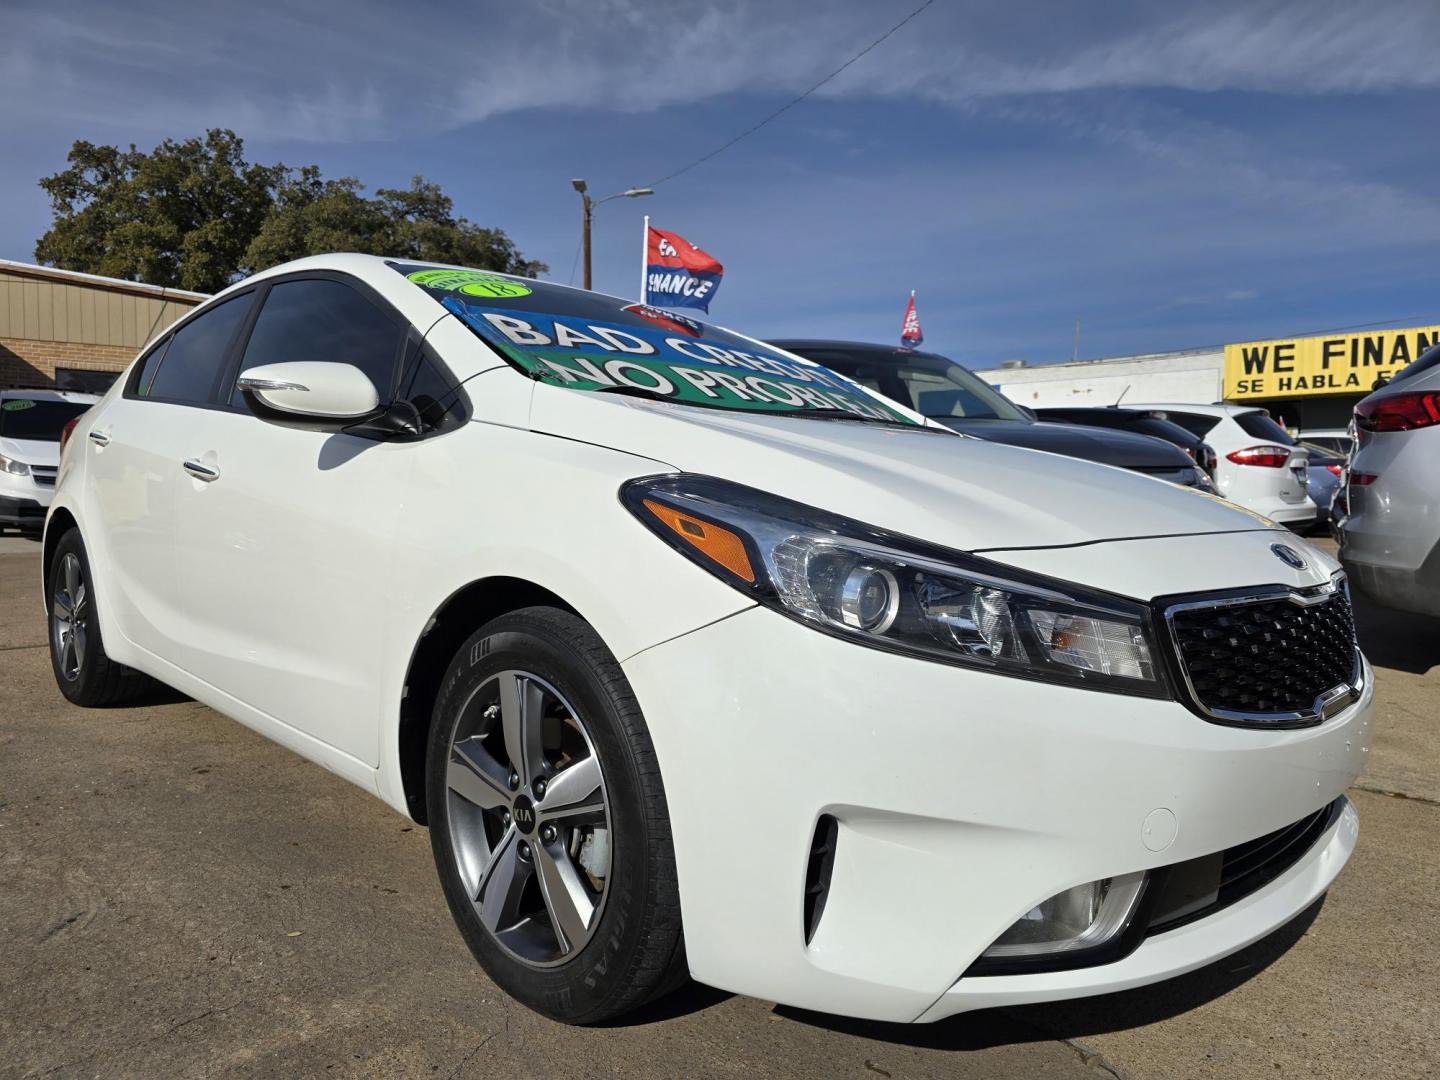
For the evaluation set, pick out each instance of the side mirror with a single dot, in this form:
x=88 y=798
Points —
x=323 y=394
x=324 y=397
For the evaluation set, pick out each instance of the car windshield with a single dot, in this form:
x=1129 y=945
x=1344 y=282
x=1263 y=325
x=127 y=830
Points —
x=590 y=342
x=926 y=382
x=38 y=419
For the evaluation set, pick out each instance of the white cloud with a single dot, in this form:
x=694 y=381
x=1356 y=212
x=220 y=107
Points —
x=374 y=69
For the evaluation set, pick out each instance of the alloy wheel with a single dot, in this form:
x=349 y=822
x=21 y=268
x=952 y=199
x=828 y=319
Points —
x=69 y=617
x=528 y=817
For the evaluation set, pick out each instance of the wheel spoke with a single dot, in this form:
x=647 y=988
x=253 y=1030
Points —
x=521 y=704
x=566 y=900
x=502 y=882
x=67 y=653
x=70 y=569
x=77 y=641
x=475 y=775
x=80 y=601
x=62 y=608
x=574 y=794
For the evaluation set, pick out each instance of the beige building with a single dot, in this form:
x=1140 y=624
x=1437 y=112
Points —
x=77 y=331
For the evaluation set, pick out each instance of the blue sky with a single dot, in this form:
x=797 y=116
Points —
x=1175 y=175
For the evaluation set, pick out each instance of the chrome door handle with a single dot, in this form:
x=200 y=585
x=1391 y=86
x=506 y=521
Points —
x=99 y=438
x=199 y=470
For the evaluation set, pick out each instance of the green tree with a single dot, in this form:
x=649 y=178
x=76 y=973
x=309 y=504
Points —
x=196 y=215
x=181 y=215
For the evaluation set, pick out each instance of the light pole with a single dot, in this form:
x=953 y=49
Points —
x=588 y=206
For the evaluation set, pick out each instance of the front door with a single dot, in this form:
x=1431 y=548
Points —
x=285 y=538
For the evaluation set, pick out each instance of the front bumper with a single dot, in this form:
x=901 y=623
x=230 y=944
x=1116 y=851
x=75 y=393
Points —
x=963 y=799
x=18 y=513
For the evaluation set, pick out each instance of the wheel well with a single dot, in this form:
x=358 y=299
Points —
x=61 y=522
x=460 y=616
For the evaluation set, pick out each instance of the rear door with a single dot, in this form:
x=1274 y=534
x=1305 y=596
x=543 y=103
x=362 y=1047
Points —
x=137 y=449
x=285 y=544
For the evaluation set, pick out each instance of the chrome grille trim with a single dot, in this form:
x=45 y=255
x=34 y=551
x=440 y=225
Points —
x=1325 y=705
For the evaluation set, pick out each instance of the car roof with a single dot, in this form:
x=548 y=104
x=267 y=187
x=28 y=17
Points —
x=870 y=349
x=1190 y=406
x=43 y=394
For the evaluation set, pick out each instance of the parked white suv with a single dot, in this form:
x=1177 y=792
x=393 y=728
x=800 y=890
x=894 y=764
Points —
x=30 y=425
x=698 y=657
x=1259 y=464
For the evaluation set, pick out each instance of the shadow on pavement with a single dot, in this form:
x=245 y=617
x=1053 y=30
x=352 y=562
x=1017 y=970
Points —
x=1083 y=1016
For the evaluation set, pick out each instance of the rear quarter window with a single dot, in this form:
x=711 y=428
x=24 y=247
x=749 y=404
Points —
x=1426 y=361
x=1198 y=424
x=1260 y=426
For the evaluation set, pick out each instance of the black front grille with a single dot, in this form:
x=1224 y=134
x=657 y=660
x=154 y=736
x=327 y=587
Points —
x=1267 y=657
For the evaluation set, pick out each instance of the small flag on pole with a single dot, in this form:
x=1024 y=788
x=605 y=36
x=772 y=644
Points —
x=910 y=335
x=679 y=274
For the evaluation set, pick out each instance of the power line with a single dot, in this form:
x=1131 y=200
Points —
x=790 y=105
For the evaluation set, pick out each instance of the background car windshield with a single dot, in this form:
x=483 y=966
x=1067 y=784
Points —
x=926 y=382
x=588 y=341
x=40 y=420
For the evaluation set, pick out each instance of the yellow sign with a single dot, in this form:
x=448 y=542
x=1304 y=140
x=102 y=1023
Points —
x=1335 y=364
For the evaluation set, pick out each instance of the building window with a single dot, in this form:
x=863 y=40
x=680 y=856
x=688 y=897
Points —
x=88 y=382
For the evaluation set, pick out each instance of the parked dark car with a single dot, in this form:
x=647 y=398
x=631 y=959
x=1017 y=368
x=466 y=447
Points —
x=1138 y=423
x=944 y=391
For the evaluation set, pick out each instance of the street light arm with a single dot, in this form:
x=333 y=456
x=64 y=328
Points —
x=628 y=193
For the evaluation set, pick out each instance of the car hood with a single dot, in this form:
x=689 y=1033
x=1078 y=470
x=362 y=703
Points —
x=31 y=451
x=1105 y=445
x=931 y=484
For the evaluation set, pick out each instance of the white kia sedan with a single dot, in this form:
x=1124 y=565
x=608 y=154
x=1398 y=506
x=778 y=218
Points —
x=697 y=657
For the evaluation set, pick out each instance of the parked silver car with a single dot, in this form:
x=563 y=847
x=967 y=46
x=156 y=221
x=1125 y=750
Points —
x=1390 y=543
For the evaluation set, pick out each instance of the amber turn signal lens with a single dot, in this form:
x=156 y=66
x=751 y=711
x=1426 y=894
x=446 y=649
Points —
x=711 y=540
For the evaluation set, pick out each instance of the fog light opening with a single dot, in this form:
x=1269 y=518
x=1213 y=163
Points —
x=1080 y=918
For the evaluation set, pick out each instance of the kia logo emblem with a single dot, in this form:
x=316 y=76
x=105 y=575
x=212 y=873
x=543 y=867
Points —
x=523 y=814
x=1289 y=556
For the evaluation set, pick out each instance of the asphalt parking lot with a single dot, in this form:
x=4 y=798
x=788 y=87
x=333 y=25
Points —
x=179 y=897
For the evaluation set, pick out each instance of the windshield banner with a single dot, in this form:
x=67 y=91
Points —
x=677 y=273
x=589 y=354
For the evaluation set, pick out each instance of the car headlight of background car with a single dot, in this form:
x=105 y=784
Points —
x=891 y=592
x=10 y=465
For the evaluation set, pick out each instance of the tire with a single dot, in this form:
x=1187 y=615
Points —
x=535 y=936
x=83 y=671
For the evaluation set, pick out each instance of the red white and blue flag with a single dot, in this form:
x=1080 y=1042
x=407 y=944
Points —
x=677 y=273
x=910 y=335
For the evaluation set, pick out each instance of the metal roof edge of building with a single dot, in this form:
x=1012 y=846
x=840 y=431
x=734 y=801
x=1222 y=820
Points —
x=1217 y=350
x=118 y=284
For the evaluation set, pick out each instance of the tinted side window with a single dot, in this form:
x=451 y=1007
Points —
x=426 y=385
x=1261 y=426
x=1197 y=424
x=195 y=356
x=146 y=367
x=326 y=321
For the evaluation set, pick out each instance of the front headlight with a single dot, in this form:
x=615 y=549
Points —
x=16 y=468
x=891 y=592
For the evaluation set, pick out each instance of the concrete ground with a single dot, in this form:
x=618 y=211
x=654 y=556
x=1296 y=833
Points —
x=179 y=897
